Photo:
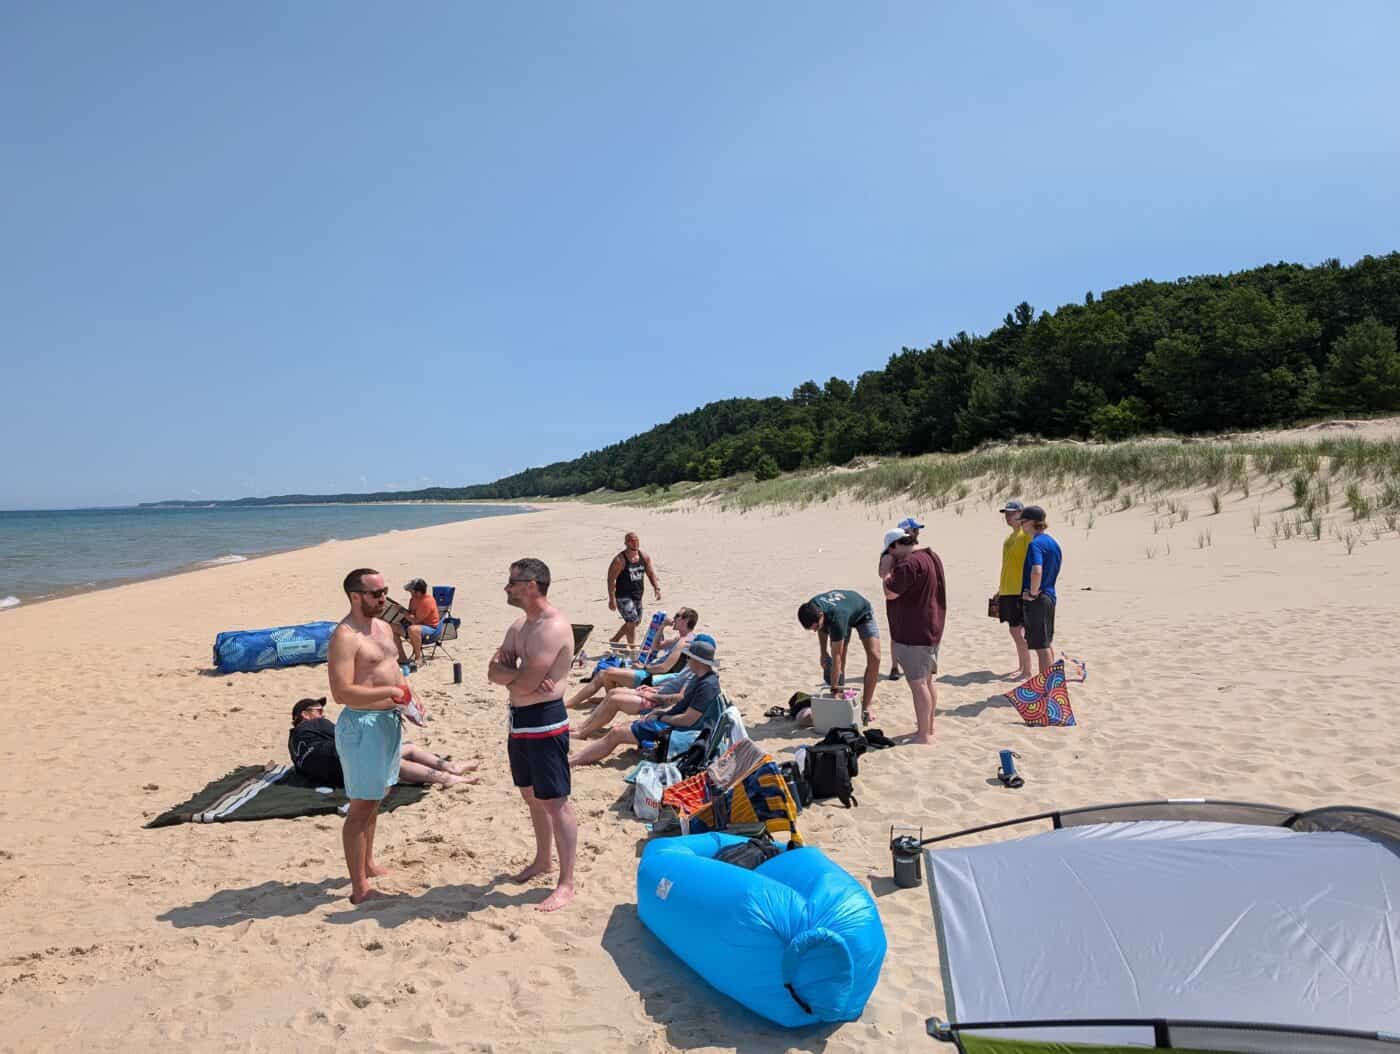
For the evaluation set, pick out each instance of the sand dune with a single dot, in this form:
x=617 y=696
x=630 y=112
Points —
x=1240 y=669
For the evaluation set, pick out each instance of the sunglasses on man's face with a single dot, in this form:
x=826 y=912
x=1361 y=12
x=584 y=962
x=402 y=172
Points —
x=517 y=581
x=376 y=593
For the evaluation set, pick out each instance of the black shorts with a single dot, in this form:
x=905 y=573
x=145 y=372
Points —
x=1040 y=621
x=1009 y=610
x=538 y=749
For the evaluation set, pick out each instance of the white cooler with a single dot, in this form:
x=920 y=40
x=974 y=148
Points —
x=829 y=712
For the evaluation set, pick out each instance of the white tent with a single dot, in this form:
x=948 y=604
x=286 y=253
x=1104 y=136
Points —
x=1172 y=924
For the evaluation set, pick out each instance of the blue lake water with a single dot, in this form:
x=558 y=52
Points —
x=48 y=553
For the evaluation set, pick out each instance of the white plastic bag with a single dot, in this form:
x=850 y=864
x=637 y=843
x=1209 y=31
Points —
x=652 y=781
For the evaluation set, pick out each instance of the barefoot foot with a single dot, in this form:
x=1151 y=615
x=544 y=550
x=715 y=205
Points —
x=556 y=900
x=530 y=872
x=461 y=768
x=369 y=894
x=375 y=871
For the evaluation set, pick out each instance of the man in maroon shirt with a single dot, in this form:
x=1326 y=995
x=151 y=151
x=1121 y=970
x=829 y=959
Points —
x=918 y=601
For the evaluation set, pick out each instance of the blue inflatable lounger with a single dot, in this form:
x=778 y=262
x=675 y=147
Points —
x=246 y=650
x=797 y=939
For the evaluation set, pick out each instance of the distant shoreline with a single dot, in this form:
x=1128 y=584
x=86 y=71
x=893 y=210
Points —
x=224 y=560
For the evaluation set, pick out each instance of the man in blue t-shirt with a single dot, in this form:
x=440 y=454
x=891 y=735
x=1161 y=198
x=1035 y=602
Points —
x=1038 y=577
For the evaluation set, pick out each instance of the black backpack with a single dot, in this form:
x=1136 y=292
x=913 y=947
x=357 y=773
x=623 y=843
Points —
x=850 y=737
x=830 y=767
x=693 y=758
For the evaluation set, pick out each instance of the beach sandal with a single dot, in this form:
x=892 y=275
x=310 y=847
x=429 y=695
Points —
x=776 y=711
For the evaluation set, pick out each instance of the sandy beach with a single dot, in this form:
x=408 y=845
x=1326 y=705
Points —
x=1230 y=667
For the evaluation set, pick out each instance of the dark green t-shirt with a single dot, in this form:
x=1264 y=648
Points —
x=843 y=608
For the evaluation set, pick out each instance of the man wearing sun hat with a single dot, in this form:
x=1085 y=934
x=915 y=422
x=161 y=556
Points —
x=1009 y=603
x=918 y=602
x=699 y=707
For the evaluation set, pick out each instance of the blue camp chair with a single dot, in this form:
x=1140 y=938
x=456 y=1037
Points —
x=447 y=626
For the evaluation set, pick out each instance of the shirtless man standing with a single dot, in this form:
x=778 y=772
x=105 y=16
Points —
x=533 y=664
x=365 y=680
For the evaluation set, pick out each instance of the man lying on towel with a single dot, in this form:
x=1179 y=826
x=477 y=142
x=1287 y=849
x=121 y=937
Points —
x=311 y=742
x=699 y=708
x=639 y=701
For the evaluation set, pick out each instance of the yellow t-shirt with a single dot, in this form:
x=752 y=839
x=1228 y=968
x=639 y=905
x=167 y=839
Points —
x=1013 y=562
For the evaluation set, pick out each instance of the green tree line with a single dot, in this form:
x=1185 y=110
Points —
x=1267 y=346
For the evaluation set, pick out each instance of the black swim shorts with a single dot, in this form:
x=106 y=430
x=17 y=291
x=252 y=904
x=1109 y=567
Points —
x=1040 y=622
x=1009 y=610
x=538 y=749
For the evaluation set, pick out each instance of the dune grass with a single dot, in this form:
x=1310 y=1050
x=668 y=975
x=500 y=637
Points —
x=1121 y=473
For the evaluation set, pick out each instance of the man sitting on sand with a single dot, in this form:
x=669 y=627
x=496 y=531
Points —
x=699 y=707
x=366 y=681
x=832 y=616
x=636 y=701
x=667 y=662
x=311 y=743
x=423 y=610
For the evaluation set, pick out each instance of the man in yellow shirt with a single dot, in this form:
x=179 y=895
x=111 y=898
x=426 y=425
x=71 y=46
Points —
x=1013 y=560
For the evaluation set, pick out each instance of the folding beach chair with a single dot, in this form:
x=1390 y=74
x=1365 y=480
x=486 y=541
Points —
x=447 y=626
x=728 y=730
x=581 y=633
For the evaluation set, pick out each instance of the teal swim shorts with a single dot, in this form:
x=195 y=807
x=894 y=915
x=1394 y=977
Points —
x=368 y=743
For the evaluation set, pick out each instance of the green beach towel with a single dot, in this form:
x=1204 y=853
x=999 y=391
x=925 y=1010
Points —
x=271 y=792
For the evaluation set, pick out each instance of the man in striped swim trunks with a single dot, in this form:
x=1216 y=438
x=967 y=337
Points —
x=364 y=673
x=533 y=663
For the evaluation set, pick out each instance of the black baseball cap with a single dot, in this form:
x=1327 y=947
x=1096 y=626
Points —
x=1033 y=513
x=304 y=705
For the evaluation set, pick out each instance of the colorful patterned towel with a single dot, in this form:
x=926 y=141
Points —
x=1044 y=699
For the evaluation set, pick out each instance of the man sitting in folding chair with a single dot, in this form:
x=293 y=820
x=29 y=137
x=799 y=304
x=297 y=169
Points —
x=700 y=708
x=426 y=620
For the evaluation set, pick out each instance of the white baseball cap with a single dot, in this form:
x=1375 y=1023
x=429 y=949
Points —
x=896 y=535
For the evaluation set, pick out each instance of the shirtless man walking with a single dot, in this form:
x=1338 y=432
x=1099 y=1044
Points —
x=533 y=664
x=365 y=680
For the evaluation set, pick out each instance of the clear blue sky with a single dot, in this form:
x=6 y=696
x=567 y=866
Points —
x=252 y=248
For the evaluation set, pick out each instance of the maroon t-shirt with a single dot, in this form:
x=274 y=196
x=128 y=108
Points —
x=916 y=615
